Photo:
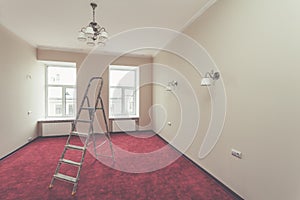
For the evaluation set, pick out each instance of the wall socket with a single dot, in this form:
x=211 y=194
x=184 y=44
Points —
x=236 y=153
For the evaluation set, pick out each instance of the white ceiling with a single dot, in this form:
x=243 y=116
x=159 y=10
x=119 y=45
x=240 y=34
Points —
x=55 y=24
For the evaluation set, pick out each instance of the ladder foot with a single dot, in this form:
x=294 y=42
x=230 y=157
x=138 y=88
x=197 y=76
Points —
x=73 y=193
x=50 y=186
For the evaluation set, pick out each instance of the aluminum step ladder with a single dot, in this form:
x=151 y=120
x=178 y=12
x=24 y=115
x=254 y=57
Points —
x=90 y=115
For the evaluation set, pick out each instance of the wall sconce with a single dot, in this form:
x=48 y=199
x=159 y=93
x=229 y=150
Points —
x=171 y=85
x=209 y=78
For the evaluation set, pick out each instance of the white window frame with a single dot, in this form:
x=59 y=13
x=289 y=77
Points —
x=64 y=88
x=137 y=93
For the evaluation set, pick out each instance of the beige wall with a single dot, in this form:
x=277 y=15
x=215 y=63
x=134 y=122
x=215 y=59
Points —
x=255 y=44
x=62 y=56
x=19 y=92
x=82 y=59
x=173 y=101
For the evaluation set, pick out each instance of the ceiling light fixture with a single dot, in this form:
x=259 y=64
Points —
x=93 y=33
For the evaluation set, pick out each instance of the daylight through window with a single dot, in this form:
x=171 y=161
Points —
x=60 y=91
x=123 y=91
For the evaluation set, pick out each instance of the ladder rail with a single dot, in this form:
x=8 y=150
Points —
x=107 y=132
x=85 y=96
x=59 y=163
x=89 y=134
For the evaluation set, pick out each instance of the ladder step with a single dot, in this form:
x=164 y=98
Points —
x=65 y=177
x=88 y=108
x=70 y=162
x=84 y=121
x=79 y=134
x=70 y=146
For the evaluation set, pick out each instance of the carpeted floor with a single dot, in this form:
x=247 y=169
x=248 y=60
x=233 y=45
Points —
x=27 y=173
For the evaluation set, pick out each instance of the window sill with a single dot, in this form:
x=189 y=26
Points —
x=55 y=120
x=124 y=117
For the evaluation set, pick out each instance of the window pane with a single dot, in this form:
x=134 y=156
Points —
x=70 y=107
x=61 y=91
x=54 y=92
x=115 y=107
x=123 y=98
x=130 y=101
x=55 y=101
x=70 y=93
x=70 y=101
x=55 y=108
x=61 y=75
x=115 y=92
x=122 y=78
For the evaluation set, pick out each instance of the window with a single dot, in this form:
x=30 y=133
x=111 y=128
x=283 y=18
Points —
x=123 y=91
x=60 y=91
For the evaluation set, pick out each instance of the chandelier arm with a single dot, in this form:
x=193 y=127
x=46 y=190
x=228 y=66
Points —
x=101 y=29
x=208 y=75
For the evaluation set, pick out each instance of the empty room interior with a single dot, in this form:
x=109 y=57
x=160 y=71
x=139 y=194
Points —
x=135 y=99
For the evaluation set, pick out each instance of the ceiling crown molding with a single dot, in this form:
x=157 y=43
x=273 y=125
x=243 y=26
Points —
x=206 y=6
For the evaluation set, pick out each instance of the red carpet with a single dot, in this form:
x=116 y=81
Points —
x=27 y=173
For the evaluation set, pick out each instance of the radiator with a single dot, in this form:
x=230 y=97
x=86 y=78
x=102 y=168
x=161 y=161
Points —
x=55 y=129
x=123 y=125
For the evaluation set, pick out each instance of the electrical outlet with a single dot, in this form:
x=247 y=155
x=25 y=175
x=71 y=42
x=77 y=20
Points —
x=236 y=153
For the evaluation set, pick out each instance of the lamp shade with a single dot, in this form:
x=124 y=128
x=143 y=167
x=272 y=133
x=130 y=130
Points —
x=90 y=42
x=81 y=36
x=206 y=82
x=101 y=44
x=104 y=34
x=89 y=31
